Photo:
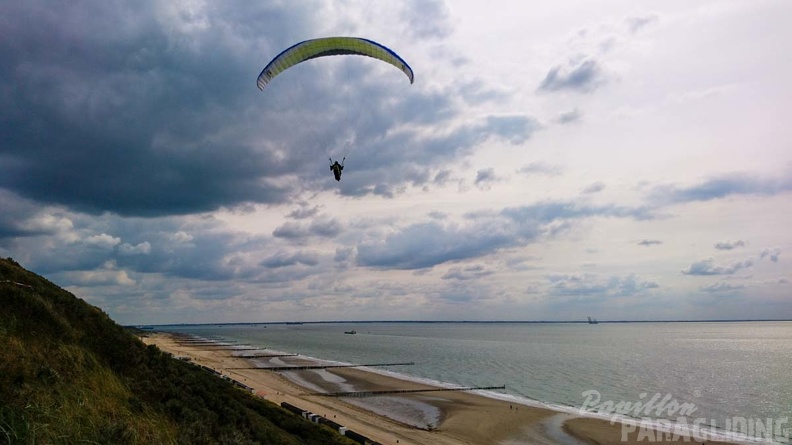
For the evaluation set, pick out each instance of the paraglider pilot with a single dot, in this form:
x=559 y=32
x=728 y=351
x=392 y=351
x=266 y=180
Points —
x=336 y=168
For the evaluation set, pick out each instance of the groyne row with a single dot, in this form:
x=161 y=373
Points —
x=264 y=355
x=355 y=436
x=307 y=367
x=398 y=391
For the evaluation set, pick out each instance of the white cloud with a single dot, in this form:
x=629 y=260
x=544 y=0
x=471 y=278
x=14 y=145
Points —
x=138 y=249
x=485 y=179
x=723 y=287
x=583 y=75
x=771 y=253
x=649 y=242
x=540 y=168
x=708 y=267
x=594 y=188
x=49 y=223
x=180 y=237
x=102 y=241
x=99 y=278
x=595 y=285
x=729 y=245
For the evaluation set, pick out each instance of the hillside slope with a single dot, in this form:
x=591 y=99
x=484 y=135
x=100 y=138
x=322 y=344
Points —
x=69 y=374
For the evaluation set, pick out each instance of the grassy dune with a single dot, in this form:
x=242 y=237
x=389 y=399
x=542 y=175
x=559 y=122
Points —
x=69 y=374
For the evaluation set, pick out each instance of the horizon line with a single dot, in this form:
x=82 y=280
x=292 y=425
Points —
x=745 y=320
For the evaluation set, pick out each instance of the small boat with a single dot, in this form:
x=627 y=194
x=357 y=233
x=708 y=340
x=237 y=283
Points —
x=592 y=321
x=350 y=332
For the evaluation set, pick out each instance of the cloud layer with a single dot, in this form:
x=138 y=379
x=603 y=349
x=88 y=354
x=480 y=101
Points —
x=581 y=164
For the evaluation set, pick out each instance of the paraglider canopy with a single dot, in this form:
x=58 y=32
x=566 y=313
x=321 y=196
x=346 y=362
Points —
x=330 y=46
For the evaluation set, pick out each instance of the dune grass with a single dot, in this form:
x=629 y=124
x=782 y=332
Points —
x=69 y=374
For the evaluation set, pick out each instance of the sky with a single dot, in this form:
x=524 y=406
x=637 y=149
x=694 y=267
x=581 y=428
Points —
x=620 y=159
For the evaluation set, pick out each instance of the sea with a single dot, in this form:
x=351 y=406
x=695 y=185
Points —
x=732 y=379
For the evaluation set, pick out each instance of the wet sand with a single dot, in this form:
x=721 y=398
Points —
x=437 y=417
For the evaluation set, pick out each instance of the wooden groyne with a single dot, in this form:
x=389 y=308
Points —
x=263 y=355
x=307 y=367
x=207 y=343
x=212 y=343
x=397 y=391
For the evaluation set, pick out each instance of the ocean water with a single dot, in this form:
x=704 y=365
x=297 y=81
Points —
x=725 y=376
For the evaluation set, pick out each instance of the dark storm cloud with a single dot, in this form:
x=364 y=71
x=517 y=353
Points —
x=143 y=109
x=120 y=106
x=429 y=244
x=721 y=187
x=581 y=76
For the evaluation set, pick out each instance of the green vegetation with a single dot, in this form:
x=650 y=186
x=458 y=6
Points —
x=69 y=374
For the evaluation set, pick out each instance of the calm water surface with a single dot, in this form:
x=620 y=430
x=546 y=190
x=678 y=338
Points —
x=724 y=370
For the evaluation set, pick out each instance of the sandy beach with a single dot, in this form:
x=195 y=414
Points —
x=436 y=417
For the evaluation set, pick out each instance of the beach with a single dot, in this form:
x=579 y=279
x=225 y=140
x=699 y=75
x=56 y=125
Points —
x=431 y=417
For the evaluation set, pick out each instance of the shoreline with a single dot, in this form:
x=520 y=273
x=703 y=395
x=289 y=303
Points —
x=436 y=417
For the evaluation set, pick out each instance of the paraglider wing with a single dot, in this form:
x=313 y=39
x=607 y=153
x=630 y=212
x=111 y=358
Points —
x=330 y=46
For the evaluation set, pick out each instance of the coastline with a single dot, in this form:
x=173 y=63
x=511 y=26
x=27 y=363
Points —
x=436 y=417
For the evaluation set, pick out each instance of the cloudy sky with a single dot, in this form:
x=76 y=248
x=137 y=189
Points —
x=553 y=160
